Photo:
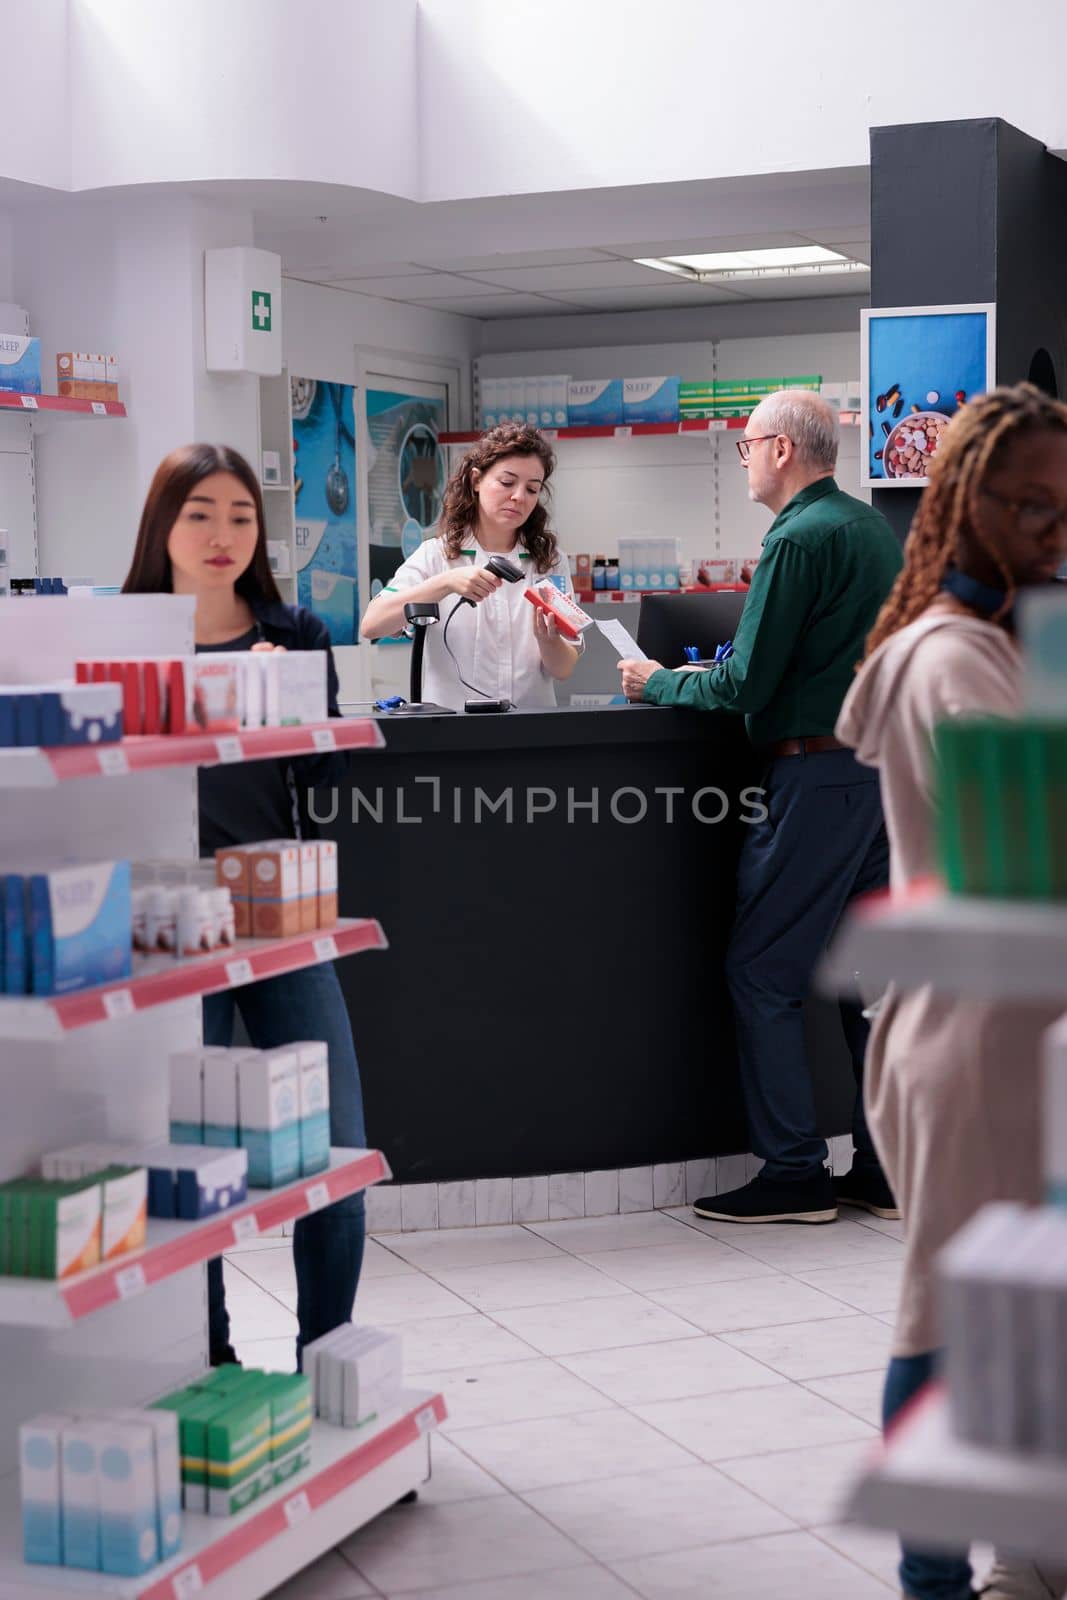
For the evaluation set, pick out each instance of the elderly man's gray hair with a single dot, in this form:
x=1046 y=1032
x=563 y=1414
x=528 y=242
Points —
x=807 y=419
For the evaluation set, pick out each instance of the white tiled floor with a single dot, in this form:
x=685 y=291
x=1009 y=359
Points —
x=639 y=1405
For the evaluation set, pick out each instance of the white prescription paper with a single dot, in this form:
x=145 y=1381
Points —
x=616 y=634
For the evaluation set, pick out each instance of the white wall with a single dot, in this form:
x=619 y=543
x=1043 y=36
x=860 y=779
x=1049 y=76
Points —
x=124 y=276
x=541 y=95
x=691 y=488
x=314 y=91
x=323 y=328
x=440 y=99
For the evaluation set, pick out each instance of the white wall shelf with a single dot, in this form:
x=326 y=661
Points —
x=690 y=427
x=1000 y=949
x=935 y=1489
x=42 y=769
x=171 y=1247
x=354 y=1475
x=159 y=980
x=59 y=405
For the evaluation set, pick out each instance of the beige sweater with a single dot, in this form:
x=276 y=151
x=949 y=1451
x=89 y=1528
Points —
x=952 y=1085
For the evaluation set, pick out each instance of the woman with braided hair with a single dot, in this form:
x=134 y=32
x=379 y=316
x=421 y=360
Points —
x=953 y=1084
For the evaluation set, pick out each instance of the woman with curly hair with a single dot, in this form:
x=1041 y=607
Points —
x=499 y=645
x=952 y=1084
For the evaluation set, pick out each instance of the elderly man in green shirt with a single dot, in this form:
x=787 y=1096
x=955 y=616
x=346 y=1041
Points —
x=828 y=564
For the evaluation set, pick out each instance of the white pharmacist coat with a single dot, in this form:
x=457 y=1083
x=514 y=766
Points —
x=493 y=642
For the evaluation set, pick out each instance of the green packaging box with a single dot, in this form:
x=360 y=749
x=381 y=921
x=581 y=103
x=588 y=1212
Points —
x=196 y=1405
x=1002 y=807
x=290 y=1423
x=239 y=1466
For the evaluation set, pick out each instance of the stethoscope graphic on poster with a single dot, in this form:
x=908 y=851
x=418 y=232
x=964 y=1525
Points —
x=338 y=491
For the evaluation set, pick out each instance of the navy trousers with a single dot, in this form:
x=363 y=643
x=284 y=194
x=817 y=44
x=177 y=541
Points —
x=328 y=1244
x=823 y=842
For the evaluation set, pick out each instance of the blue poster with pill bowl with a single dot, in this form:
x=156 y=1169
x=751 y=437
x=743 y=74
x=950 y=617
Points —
x=324 y=466
x=921 y=364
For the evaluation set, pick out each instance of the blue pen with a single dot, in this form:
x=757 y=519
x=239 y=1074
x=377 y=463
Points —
x=692 y=652
x=724 y=651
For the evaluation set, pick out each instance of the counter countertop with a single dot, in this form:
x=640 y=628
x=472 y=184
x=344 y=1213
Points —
x=562 y=728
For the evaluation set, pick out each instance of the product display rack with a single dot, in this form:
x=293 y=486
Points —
x=123 y=1334
x=697 y=427
x=355 y=1474
x=160 y=980
x=923 y=1482
x=41 y=769
x=60 y=405
x=173 y=1246
x=1000 y=949
x=938 y=1490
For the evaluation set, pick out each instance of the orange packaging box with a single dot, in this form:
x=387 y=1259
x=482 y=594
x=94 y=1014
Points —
x=327 y=849
x=274 y=887
x=309 y=887
x=232 y=869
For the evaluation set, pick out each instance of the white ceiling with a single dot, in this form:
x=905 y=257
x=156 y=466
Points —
x=553 y=283
x=558 y=254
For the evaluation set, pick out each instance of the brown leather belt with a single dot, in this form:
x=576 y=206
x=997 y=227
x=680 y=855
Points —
x=811 y=745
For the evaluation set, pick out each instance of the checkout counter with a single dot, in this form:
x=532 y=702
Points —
x=553 y=998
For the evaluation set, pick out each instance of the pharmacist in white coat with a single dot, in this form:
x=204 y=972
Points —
x=501 y=647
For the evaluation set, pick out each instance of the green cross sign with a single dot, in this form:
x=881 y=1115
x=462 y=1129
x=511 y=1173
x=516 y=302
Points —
x=261 y=311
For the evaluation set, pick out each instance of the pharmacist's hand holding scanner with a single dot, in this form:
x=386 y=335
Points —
x=498 y=645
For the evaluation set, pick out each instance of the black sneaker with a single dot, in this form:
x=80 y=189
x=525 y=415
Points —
x=766 y=1200
x=867 y=1190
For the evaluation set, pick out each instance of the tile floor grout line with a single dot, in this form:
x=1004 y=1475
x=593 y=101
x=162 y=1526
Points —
x=817 y=1534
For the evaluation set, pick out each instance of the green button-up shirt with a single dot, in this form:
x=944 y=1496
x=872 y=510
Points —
x=828 y=563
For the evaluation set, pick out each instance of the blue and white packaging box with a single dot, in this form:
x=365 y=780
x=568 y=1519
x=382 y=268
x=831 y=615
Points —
x=79 y=713
x=81 y=921
x=80 y=1496
x=489 y=403
x=222 y=1126
x=20 y=364
x=186 y=1072
x=168 y=1475
x=314 y=1064
x=192 y=1181
x=626 y=563
x=594 y=402
x=126 y=1479
x=40 y=1455
x=16 y=934
x=269 y=1101
x=670 y=563
x=655 y=550
x=650 y=399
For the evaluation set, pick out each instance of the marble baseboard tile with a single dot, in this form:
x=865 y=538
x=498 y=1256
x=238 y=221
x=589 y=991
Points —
x=701 y=1179
x=529 y=1199
x=492 y=1201
x=455 y=1205
x=566 y=1195
x=635 y=1189
x=418 y=1207
x=668 y=1185
x=384 y=1208
x=601 y=1194
x=733 y=1173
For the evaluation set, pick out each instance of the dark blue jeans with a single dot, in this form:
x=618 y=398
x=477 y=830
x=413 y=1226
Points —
x=328 y=1245
x=823 y=843
x=924 y=1574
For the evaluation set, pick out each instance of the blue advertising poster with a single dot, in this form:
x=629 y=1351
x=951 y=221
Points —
x=405 y=476
x=324 y=457
x=920 y=365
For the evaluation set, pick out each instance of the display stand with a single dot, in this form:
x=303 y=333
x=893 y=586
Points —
x=924 y=1483
x=123 y=1334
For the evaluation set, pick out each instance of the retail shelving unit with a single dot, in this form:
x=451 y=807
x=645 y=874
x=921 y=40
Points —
x=923 y=1482
x=279 y=499
x=60 y=405
x=354 y=1476
x=132 y=1329
x=939 y=1490
x=698 y=428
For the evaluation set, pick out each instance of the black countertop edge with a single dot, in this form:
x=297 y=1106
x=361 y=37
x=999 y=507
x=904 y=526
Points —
x=563 y=728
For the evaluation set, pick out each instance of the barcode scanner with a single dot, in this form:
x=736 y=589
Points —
x=500 y=567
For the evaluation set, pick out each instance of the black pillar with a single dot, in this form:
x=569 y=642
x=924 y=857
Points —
x=966 y=212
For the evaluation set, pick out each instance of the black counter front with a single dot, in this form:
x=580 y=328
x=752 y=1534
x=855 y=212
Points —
x=557 y=889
